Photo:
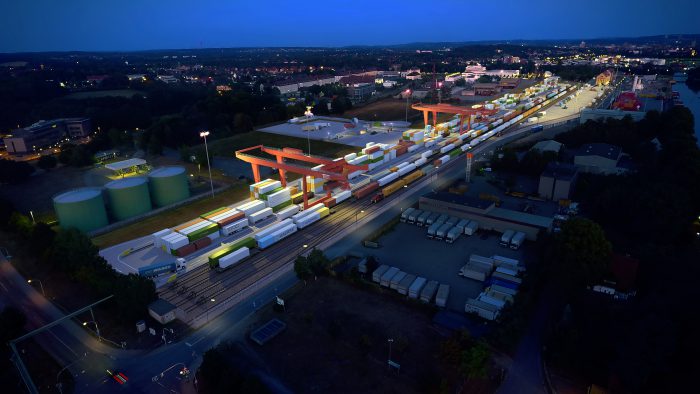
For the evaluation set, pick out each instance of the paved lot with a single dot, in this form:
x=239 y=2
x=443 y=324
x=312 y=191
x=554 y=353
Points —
x=408 y=249
x=335 y=130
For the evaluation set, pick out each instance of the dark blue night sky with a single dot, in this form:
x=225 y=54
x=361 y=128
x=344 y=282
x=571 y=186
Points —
x=47 y=25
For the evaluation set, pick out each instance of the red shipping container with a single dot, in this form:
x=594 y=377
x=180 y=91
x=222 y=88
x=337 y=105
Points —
x=437 y=163
x=401 y=150
x=202 y=243
x=365 y=190
x=372 y=150
x=185 y=250
x=231 y=219
x=329 y=203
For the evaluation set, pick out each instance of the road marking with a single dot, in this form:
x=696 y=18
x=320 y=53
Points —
x=195 y=342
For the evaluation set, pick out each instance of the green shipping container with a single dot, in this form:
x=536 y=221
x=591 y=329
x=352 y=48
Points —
x=203 y=232
x=380 y=158
x=455 y=153
x=213 y=212
x=281 y=205
x=214 y=257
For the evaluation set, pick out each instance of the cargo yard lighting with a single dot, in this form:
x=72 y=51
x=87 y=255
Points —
x=213 y=300
x=408 y=94
x=305 y=245
x=204 y=135
x=40 y=285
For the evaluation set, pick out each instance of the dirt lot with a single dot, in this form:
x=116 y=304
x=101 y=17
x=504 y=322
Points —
x=336 y=342
x=386 y=109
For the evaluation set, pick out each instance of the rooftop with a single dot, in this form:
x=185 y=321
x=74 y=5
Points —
x=599 y=149
x=160 y=307
x=120 y=165
x=547 y=146
x=563 y=171
x=467 y=200
x=521 y=217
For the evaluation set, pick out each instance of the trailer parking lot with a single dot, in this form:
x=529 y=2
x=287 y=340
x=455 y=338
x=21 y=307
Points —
x=408 y=248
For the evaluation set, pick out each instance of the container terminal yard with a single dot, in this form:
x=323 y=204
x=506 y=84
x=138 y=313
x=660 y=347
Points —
x=216 y=269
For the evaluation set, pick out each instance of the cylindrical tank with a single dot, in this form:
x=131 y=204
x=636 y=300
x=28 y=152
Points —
x=83 y=209
x=168 y=185
x=128 y=197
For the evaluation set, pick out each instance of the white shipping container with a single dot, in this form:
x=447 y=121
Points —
x=490 y=300
x=487 y=311
x=272 y=228
x=447 y=148
x=342 y=196
x=420 y=161
x=287 y=212
x=388 y=179
x=234 y=227
x=269 y=187
x=427 y=153
x=251 y=207
x=157 y=237
x=234 y=257
x=260 y=215
x=214 y=235
x=394 y=282
x=413 y=148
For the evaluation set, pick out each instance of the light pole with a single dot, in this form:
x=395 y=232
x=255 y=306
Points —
x=439 y=92
x=40 y=285
x=204 y=135
x=97 y=328
x=356 y=213
x=408 y=95
x=390 y=340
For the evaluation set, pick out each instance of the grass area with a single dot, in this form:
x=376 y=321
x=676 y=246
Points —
x=171 y=217
x=227 y=146
x=104 y=93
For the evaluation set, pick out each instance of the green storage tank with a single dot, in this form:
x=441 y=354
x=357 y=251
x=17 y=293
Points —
x=83 y=209
x=168 y=185
x=128 y=197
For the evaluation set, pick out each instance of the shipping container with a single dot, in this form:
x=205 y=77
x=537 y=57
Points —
x=234 y=227
x=153 y=270
x=226 y=249
x=475 y=271
x=202 y=242
x=272 y=228
x=502 y=289
x=287 y=212
x=507 y=271
x=415 y=288
x=504 y=297
x=507 y=277
x=453 y=234
x=365 y=190
x=377 y=274
x=500 y=260
x=251 y=207
x=388 y=275
x=443 y=293
x=277 y=236
x=157 y=237
x=475 y=258
x=233 y=258
x=483 y=297
x=260 y=215
x=428 y=292
x=184 y=250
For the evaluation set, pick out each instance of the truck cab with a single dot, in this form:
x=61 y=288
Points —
x=377 y=197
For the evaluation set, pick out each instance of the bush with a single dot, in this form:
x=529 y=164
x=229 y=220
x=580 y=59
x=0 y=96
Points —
x=47 y=162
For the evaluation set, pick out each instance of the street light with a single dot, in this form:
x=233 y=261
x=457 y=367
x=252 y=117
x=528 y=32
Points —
x=204 y=135
x=408 y=94
x=40 y=285
x=390 y=340
x=97 y=328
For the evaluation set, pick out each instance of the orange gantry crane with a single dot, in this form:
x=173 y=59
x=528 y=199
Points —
x=462 y=112
x=335 y=171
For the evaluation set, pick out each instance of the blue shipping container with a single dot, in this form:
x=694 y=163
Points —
x=156 y=269
x=537 y=128
x=504 y=283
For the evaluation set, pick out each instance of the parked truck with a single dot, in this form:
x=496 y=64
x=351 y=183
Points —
x=388 y=275
x=396 y=279
x=428 y=292
x=414 y=291
x=471 y=228
x=506 y=237
x=405 y=284
x=377 y=274
x=153 y=270
x=413 y=216
x=483 y=309
x=432 y=218
x=404 y=214
x=443 y=293
x=421 y=220
x=517 y=241
x=453 y=234
x=432 y=230
x=441 y=232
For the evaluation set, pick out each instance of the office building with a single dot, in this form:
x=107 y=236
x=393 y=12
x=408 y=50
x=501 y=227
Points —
x=45 y=134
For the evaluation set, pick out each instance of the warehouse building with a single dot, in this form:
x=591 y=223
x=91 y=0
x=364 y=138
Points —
x=485 y=213
x=557 y=181
x=598 y=158
x=46 y=133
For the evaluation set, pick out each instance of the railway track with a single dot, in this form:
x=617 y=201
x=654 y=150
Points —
x=196 y=290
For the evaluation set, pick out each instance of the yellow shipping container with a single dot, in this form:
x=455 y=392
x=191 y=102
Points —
x=413 y=176
x=393 y=169
x=323 y=212
x=393 y=188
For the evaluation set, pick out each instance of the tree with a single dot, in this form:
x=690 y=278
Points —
x=301 y=267
x=14 y=172
x=581 y=254
x=12 y=322
x=47 y=162
x=475 y=361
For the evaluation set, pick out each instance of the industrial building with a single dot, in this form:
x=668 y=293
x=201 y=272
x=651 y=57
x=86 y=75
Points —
x=604 y=78
x=486 y=89
x=360 y=92
x=485 y=213
x=598 y=158
x=46 y=133
x=547 y=146
x=557 y=181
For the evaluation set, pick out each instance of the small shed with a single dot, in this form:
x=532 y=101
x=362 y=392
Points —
x=162 y=311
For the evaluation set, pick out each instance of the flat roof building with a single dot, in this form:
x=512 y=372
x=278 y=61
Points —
x=485 y=213
x=557 y=181
x=45 y=134
x=599 y=158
